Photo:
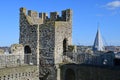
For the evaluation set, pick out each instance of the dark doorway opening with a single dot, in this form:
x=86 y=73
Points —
x=27 y=51
x=117 y=62
x=65 y=45
x=69 y=74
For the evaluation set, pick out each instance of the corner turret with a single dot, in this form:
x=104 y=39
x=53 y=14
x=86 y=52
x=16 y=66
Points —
x=54 y=16
x=32 y=13
x=43 y=16
x=23 y=10
x=67 y=15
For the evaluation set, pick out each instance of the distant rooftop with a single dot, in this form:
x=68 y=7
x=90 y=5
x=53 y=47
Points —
x=98 y=43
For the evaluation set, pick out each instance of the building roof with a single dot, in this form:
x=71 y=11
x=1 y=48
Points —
x=98 y=43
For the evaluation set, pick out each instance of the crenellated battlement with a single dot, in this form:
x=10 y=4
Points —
x=23 y=10
x=32 y=13
x=66 y=15
x=54 y=16
x=43 y=16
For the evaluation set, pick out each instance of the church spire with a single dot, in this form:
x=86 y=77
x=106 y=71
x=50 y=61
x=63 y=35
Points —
x=98 y=43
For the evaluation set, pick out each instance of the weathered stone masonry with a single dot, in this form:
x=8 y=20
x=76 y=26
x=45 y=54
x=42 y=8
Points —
x=28 y=34
x=45 y=38
x=47 y=43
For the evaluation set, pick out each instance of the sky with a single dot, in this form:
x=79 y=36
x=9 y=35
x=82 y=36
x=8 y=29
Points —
x=87 y=16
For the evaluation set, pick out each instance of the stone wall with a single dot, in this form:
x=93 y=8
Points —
x=63 y=31
x=19 y=73
x=52 y=35
x=32 y=30
x=47 y=44
x=45 y=36
x=28 y=31
x=86 y=72
x=17 y=49
x=101 y=59
x=10 y=60
x=1 y=51
x=84 y=49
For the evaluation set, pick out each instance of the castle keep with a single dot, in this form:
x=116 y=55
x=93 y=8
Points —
x=49 y=41
x=45 y=50
x=45 y=36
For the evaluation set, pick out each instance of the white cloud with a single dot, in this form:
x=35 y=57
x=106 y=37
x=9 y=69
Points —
x=113 y=5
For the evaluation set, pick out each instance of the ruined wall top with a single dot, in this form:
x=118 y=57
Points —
x=54 y=16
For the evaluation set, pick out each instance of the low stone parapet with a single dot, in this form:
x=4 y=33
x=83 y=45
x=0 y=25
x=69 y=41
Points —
x=19 y=73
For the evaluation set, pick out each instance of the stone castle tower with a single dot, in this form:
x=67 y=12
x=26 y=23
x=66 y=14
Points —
x=45 y=38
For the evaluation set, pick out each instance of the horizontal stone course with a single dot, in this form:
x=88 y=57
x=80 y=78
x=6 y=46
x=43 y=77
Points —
x=19 y=73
